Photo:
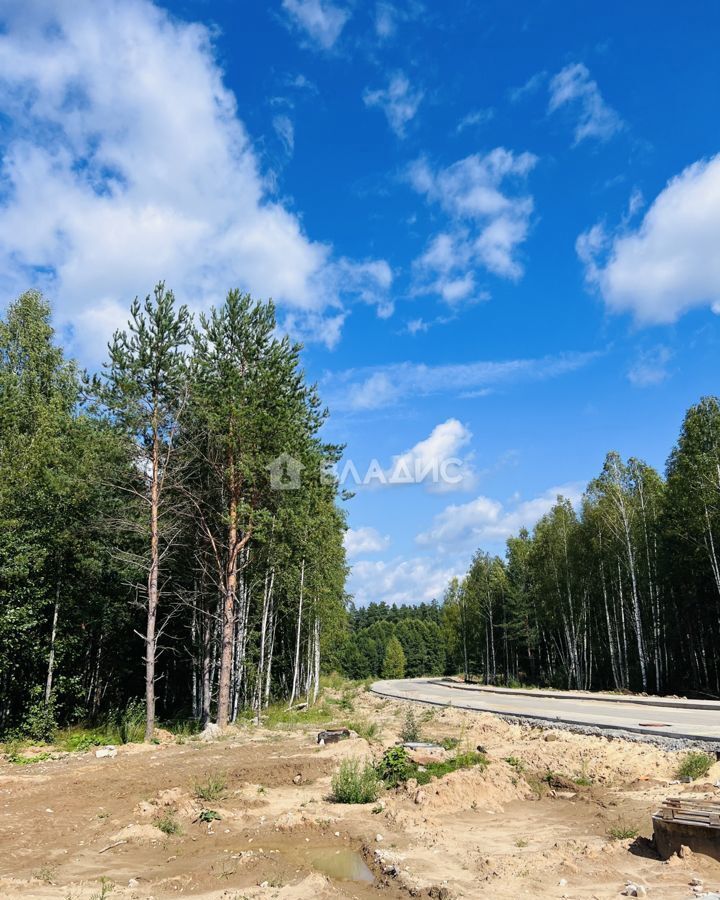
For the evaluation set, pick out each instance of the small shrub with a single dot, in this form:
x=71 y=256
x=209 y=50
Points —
x=213 y=788
x=39 y=723
x=449 y=743
x=395 y=767
x=131 y=723
x=355 y=782
x=168 y=824
x=622 y=832
x=209 y=815
x=410 y=733
x=515 y=763
x=695 y=764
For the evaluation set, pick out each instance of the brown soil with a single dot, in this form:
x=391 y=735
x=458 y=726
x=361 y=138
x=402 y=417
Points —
x=523 y=826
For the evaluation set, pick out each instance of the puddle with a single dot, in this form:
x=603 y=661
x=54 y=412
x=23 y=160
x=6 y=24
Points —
x=344 y=865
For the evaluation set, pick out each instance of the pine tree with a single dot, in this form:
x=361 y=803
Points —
x=146 y=391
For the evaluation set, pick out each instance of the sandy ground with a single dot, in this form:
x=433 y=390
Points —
x=519 y=829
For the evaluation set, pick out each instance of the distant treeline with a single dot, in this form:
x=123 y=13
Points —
x=623 y=593
x=418 y=630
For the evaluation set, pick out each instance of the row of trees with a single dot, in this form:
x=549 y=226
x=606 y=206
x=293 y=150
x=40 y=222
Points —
x=378 y=631
x=622 y=594
x=142 y=516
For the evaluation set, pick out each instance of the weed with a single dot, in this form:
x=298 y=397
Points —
x=355 y=782
x=367 y=730
x=168 y=824
x=521 y=842
x=694 y=764
x=449 y=743
x=106 y=888
x=516 y=763
x=213 y=788
x=395 y=767
x=622 y=832
x=410 y=733
x=45 y=873
x=209 y=815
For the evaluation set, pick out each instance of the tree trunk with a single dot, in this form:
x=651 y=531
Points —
x=228 y=613
x=53 y=636
x=150 y=634
x=296 y=671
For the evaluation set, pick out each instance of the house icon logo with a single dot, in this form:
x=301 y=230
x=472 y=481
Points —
x=285 y=473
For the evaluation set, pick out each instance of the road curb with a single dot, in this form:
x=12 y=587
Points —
x=629 y=732
x=667 y=703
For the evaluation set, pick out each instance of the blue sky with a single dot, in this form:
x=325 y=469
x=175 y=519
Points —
x=494 y=225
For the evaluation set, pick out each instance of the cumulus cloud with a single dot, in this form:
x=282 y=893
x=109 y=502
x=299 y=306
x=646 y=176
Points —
x=670 y=263
x=574 y=88
x=124 y=161
x=321 y=20
x=436 y=460
x=484 y=520
x=377 y=387
x=359 y=541
x=399 y=101
x=488 y=221
x=400 y=580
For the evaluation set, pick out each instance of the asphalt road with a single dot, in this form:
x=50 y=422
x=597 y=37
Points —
x=649 y=716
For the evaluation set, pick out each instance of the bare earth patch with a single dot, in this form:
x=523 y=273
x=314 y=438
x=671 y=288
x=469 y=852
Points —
x=536 y=822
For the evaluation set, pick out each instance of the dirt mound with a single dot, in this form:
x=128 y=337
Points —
x=138 y=834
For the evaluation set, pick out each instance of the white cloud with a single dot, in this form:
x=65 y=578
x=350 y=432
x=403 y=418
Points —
x=401 y=581
x=474 y=118
x=650 y=367
x=385 y=20
x=484 y=520
x=573 y=87
x=399 y=101
x=125 y=162
x=285 y=130
x=436 y=460
x=488 y=222
x=321 y=20
x=670 y=264
x=383 y=386
x=531 y=86
x=365 y=540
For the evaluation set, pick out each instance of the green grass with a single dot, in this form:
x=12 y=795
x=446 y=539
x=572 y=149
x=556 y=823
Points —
x=396 y=767
x=516 y=763
x=367 y=730
x=622 y=832
x=462 y=761
x=212 y=788
x=168 y=824
x=356 y=782
x=694 y=764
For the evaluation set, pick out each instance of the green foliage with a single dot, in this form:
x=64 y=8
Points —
x=355 y=782
x=130 y=722
x=212 y=788
x=695 y=764
x=367 y=730
x=395 y=767
x=168 y=824
x=622 y=832
x=394 y=661
x=467 y=760
x=209 y=815
x=39 y=723
x=410 y=732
